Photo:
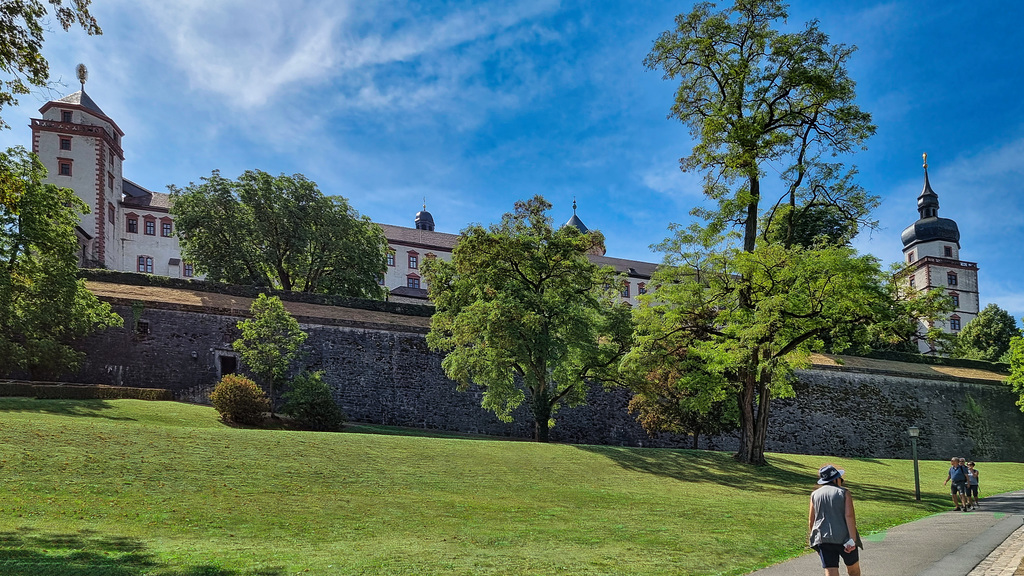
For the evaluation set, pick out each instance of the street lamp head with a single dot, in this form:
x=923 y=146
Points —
x=914 y=431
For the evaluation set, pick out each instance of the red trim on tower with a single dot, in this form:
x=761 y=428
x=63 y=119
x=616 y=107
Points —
x=101 y=202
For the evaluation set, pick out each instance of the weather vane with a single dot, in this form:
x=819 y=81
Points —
x=83 y=74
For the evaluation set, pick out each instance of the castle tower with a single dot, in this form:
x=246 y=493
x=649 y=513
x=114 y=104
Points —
x=81 y=149
x=931 y=251
x=578 y=224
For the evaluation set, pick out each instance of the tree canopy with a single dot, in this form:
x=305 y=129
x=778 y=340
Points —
x=280 y=232
x=756 y=284
x=44 y=307
x=988 y=336
x=22 y=30
x=271 y=341
x=523 y=313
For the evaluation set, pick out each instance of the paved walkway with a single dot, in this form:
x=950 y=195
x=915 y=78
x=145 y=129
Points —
x=988 y=542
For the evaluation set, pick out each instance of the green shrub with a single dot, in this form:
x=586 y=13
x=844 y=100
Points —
x=311 y=404
x=239 y=400
x=81 y=391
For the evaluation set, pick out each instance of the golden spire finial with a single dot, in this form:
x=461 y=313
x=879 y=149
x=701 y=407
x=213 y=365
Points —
x=925 y=156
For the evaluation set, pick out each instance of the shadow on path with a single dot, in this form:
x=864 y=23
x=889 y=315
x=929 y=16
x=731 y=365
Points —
x=28 y=552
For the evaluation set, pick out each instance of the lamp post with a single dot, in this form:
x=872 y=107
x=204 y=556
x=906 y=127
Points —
x=914 y=431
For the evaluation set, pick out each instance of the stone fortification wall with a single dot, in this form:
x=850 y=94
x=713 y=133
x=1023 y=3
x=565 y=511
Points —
x=383 y=372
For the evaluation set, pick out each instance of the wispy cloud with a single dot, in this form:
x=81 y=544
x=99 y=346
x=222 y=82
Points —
x=253 y=55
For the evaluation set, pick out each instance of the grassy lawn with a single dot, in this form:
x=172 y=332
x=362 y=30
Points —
x=127 y=488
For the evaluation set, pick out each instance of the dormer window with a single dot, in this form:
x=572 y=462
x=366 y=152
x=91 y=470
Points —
x=66 y=116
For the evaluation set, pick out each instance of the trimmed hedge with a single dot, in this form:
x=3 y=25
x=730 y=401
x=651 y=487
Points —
x=81 y=391
x=937 y=360
x=136 y=279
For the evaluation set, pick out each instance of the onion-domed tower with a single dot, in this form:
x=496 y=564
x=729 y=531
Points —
x=424 y=220
x=931 y=250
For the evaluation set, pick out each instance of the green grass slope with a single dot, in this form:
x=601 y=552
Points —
x=127 y=488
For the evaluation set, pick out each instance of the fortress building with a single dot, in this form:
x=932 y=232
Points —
x=130 y=228
x=931 y=251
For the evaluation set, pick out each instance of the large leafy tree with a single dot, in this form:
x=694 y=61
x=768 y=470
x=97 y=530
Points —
x=271 y=341
x=988 y=336
x=757 y=284
x=44 y=307
x=22 y=32
x=1015 y=358
x=524 y=314
x=280 y=232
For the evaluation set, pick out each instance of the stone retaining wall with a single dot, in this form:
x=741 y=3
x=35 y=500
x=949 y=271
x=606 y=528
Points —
x=390 y=377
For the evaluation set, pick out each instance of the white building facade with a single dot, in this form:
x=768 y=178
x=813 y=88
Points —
x=931 y=254
x=130 y=229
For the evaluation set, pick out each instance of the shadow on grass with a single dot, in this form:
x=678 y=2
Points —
x=781 y=475
x=82 y=408
x=27 y=552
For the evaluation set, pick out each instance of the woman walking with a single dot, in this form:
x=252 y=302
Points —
x=832 y=523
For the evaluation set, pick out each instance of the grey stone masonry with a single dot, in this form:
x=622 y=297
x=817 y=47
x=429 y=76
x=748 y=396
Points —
x=382 y=372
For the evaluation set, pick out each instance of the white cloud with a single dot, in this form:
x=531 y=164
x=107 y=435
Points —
x=251 y=56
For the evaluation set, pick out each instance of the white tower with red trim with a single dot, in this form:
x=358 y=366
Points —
x=931 y=251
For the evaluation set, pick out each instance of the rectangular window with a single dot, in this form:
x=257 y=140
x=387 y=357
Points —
x=625 y=290
x=391 y=258
x=110 y=182
x=142 y=327
x=913 y=281
x=413 y=282
x=65 y=116
x=951 y=278
x=956 y=300
x=165 y=229
x=947 y=251
x=65 y=143
x=146 y=264
x=110 y=211
x=413 y=261
x=187 y=270
x=641 y=288
x=150 y=227
x=133 y=225
x=910 y=256
x=64 y=168
x=954 y=324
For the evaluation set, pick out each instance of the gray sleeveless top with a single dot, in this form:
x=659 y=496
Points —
x=829 y=516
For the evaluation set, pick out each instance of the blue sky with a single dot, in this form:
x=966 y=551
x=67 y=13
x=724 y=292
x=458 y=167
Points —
x=474 y=105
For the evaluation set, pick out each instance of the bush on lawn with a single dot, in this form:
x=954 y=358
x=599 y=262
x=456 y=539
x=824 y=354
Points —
x=311 y=404
x=239 y=400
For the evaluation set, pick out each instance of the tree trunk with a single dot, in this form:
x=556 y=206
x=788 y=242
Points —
x=750 y=229
x=761 y=424
x=541 y=415
x=747 y=421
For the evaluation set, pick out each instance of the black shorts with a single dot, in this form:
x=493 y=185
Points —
x=958 y=487
x=972 y=490
x=830 y=554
